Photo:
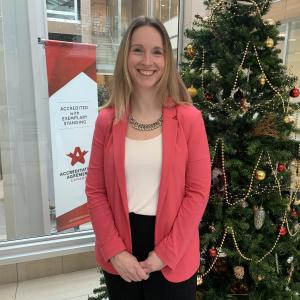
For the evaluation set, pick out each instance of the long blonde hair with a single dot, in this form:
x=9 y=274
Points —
x=170 y=84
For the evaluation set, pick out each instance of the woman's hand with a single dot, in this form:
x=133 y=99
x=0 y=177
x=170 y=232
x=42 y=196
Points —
x=152 y=263
x=128 y=267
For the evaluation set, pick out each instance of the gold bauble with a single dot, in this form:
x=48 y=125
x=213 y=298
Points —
x=269 y=42
x=190 y=52
x=192 y=91
x=262 y=80
x=289 y=119
x=260 y=175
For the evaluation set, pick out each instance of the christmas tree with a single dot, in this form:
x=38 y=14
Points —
x=100 y=293
x=249 y=240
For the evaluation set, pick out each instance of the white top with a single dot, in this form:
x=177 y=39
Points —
x=143 y=160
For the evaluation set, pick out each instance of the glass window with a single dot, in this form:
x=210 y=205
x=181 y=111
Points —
x=99 y=22
x=166 y=9
x=293 y=49
x=63 y=9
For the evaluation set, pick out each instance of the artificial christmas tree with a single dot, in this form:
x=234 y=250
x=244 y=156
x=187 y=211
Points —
x=100 y=293
x=244 y=93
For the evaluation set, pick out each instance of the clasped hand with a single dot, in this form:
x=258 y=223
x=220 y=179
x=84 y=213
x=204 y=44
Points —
x=130 y=269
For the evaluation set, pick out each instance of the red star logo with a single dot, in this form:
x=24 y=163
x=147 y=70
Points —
x=77 y=156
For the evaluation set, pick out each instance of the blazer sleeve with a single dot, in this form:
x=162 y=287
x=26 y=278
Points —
x=197 y=187
x=108 y=240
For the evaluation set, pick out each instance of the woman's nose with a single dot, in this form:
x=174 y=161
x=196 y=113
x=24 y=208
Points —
x=147 y=58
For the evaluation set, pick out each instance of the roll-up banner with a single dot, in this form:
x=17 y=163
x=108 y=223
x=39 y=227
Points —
x=73 y=105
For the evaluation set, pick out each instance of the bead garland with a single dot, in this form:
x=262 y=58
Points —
x=216 y=258
x=293 y=198
x=256 y=6
x=202 y=69
x=240 y=67
x=255 y=106
x=267 y=80
x=231 y=231
x=246 y=196
x=263 y=189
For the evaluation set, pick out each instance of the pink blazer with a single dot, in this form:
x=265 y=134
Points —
x=183 y=194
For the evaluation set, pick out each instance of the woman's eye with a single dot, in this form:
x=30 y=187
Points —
x=158 y=52
x=137 y=50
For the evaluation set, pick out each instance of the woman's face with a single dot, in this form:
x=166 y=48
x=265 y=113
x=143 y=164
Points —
x=146 y=60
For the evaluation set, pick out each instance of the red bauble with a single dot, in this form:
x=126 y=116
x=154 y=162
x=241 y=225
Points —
x=294 y=213
x=294 y=93
x=213 y=252
x=281 y=167
x=282 y=230
x=208 y=96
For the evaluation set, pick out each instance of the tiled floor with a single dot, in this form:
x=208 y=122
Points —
x=71 y=286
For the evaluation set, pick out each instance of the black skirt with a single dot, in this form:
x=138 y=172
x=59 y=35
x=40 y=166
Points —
x=156 y=287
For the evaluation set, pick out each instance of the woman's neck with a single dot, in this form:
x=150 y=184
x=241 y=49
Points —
x=145 y=105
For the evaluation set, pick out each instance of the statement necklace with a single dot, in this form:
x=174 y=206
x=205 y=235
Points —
x=145 y=127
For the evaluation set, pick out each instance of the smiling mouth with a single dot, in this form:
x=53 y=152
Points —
x=146 y=73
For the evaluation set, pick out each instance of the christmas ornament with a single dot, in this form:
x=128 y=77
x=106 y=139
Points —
x=212 y=227
x=190 y=52
x=297 y=202
x=260 y=277
x=213 y=252
x=244 y=204
x=269 y=42
x=262 y=80
x=221 y=252
x=290 y=259
x=260 y=175
x=244 y=105
x=199 y=280
x=239 y=272
x=259 y=217
x=289 y=119
x=294 y=93
x=217 y=182
x=282 y=230
x=208 y=96
x=192 y=91
x=281 y=167
x=220 y=266
x=239 y=287
x=294 y=213
x=238 y=95
x=269 y=22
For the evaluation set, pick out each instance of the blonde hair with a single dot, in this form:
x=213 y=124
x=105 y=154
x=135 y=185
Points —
x=170 y=84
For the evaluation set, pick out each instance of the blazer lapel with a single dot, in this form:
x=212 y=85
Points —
x=169 y=135
x=119 y=133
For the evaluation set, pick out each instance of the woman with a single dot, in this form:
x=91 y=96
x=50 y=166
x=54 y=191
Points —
x=149 y=174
